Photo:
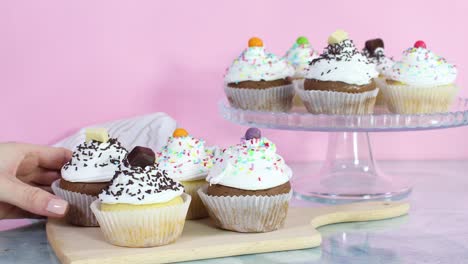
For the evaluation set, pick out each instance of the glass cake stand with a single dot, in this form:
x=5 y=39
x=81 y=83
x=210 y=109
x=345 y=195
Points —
x=349 y=172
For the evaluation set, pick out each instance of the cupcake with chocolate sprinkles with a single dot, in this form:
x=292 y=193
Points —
x=375 y=53
x=340 y=80
x=142 y=207
x=90 y=170
x=259 y=80
x=249 y=189
x=185 y=159
x=421 y=82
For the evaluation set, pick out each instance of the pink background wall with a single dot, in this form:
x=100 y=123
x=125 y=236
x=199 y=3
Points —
x=67 y=64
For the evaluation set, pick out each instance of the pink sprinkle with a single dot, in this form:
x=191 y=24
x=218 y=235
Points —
x=259 y=179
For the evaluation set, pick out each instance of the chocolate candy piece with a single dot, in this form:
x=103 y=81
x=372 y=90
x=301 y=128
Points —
x=253 y=132
x=372 y=44
x=141 y=157
x=98 y=134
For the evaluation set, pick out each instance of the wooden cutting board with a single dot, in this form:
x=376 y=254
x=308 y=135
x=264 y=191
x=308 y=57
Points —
x=201 y=240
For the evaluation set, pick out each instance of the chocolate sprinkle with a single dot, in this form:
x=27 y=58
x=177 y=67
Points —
x=147 y=180
x=87 y=151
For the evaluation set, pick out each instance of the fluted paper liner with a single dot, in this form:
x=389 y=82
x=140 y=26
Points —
x=249 y=213
x=406 y=99
x=79 y=212
x=380 y=99
x=338 y=103
x=142 y=227
x=196 y=209
x=276 y=99
x=298 y=84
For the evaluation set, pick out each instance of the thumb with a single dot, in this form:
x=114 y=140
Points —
x=35 y=200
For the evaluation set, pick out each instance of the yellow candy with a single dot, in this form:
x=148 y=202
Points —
x=98 y=134
x=337 y=36
x=180 y=132
x=130 y=207
x=255 y=42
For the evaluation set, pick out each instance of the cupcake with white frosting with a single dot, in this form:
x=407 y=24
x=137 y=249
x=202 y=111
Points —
x=249 y=189
x=421 y=82
x=340 y=80
x=259 y=80
x=300 y=55
x=185 y=159
x=142 y=207
x=375 y=53
x=89 y=171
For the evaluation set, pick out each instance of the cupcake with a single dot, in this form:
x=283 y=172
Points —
x=89 y=171
x=340 y=80
x=258 y=80
x=421 y=82
x=249 y=189
x=141 y=207
x=375 y=53
x=300 y=55
x=186 y=160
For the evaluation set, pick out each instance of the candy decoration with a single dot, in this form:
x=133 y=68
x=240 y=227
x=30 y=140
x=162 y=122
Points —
x=180 y=132
x=141 y=157
x=372 y=44
x=97 y=134
x=255 y=42
x=252 y=133
x=420 y=44
x=302 y=40
x=337 y=37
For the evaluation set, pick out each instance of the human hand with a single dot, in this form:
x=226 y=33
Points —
x=26 y=173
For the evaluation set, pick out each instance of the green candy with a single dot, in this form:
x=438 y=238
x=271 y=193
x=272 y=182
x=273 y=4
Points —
x=302 y=40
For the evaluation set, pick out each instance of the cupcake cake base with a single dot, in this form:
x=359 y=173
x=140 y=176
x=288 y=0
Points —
x=142 y=227
x=338 y=103
x=79 y=212
x=404 y=99
x=247 y=214
x=276 y=99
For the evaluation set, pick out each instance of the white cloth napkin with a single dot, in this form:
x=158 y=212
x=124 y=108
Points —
x=151 y=131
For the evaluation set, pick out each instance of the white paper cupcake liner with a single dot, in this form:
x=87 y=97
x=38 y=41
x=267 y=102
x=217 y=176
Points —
x=298 y=84
x=406 y=99
x=380 y=99
x=338 y=103
x=79 y=212
x=196 y=209
x=247 y=214
x=276 y=99
x=142 y=227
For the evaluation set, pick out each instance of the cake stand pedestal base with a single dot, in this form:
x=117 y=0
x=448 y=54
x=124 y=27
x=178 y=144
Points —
x=349 y=173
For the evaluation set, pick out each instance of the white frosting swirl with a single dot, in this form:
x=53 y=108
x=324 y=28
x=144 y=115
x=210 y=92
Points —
x=383 y=64
x=300 y=56
x=342 y=62
x=252 y=165
x=94 y=161
x=255 y=64
x=136 y=185
x=185 y=158
x=421 y=67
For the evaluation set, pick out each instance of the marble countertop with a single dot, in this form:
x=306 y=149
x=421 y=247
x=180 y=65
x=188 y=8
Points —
x=435 y=231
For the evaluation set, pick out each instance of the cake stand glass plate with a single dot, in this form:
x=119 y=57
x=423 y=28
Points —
x=349 y=172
